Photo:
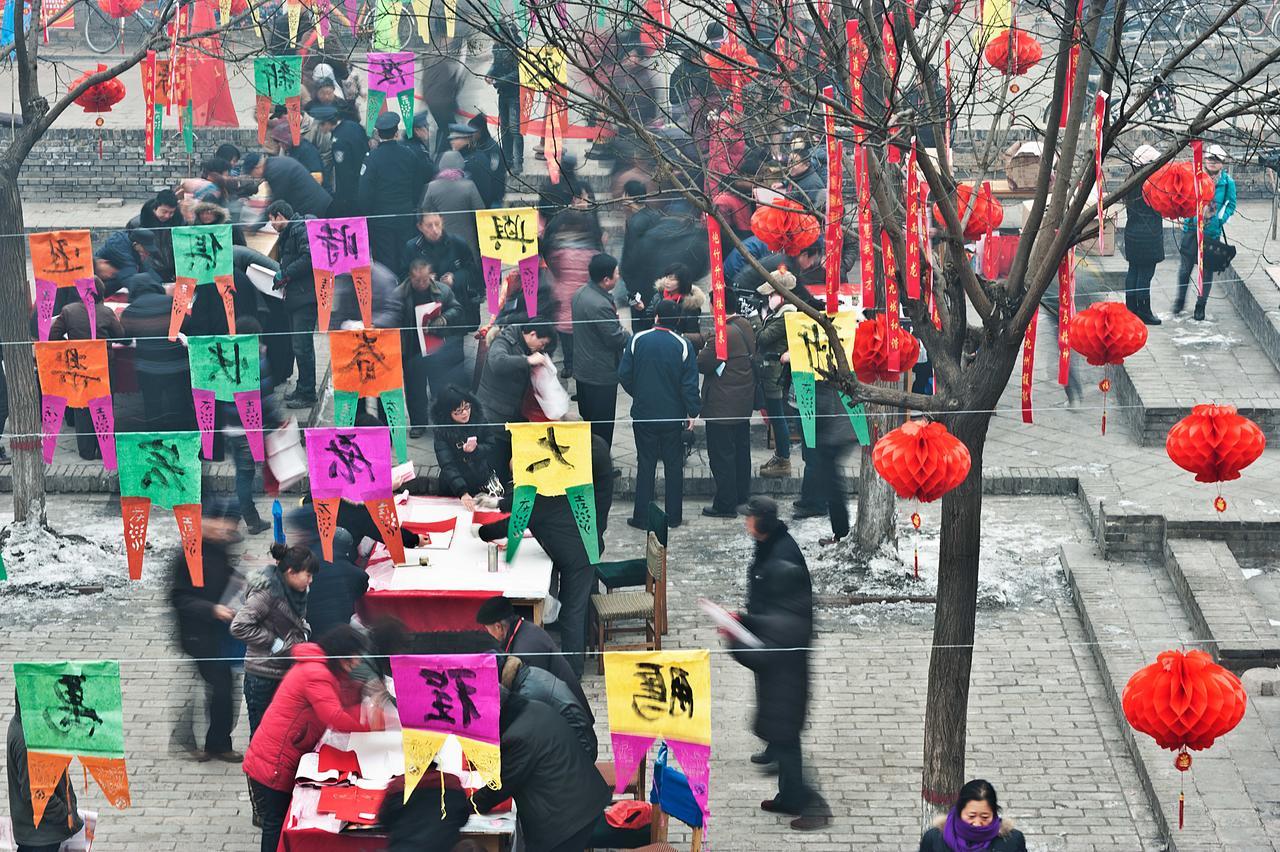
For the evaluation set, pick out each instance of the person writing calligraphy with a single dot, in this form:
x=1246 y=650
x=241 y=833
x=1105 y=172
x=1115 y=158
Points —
x=318 y=694
x=521 y=638
x=431 y=342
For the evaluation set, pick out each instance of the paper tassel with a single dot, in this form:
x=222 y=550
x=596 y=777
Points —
x=136 y=513
x=383 y=513
x=858 y=417
x=189 y=528
x=112 y=776
x=521 y=507
x=45 y=772
x=327 y=523
x=582 y=502
x=806 y=398
x=393 y=407
x=629 y=750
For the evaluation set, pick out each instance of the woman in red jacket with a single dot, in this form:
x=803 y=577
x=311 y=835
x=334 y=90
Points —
x=317 y=694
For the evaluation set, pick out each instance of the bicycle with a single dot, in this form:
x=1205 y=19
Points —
x=102 y=33
x=1259 y=19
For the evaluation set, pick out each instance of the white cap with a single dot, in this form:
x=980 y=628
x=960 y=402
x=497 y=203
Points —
x=1144 y=154
x=322 y=71
x=1215 y=152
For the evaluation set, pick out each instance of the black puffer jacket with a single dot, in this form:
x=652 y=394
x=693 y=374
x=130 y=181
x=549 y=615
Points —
x=294 y=254
x=1143 y=231
x=556 y=787
x=1008 y=840
x=200 y=633
x=780 y=613
x=462 y=472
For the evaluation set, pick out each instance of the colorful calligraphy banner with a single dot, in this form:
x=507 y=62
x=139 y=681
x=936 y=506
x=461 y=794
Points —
x=912 y=206
x=72 y=709
x=386 y=24
x=390 y=78
x=552 y=459
x=341 y=246
x=62 y=259
x=443 y=695
x=278 y=80
x=75 y=373
x=366 y=363
x=664 y=694
x=202 y=254
x=719 y=319
x=509 y=237
x=1099 y=125
x=161 y=468
x=1066 y=312
x=812 y=359
x=892 y=305
x=835 y=204
x=154 y=98
x=1197 y=165
x=226 y=369
x=353 y=464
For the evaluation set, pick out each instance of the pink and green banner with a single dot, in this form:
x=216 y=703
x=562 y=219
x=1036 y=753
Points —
x=339 y=247
x=226 y=368
x=353 y=464
x=390 y=79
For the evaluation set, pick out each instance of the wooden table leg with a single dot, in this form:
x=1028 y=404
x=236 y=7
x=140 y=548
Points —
x=537 y=612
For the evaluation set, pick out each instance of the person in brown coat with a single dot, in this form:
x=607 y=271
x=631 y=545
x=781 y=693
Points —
x=728 y=397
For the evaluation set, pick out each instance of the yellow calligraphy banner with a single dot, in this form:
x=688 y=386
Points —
x=510 y=235
x=660 y=693
x=552 y=456
x=996 y=17
x=809 y=344
x=543 y=68
x=421 y=748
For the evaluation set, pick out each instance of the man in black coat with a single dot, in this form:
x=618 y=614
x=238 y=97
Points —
x=203 y=617
x=524 y=639
x=558 y=791
x=600 y=341
x=290 y=182
x=348 y=148
x=391 y=183
x=298 y=282
x=1143 y=244
x=452 y=260
x=780 y=614
x=639 y=261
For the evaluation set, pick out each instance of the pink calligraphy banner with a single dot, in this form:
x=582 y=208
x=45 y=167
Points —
x=449 y=694
x=338 y=247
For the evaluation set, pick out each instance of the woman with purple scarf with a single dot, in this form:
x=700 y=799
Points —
x=973 y=825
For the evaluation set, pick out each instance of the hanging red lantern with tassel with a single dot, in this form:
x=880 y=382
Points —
x=871 y=354
x=1013 y=52
x=1215 y=443
x=783 y=226
x=1106 y=333
x=119 y=8
x=100 y=97
x=986 y=217
x=1171 y=191
x=922 y=461
x=1183 y=701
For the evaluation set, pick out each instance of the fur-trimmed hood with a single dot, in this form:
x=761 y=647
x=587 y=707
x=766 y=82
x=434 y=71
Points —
x=1006 y=824
x=696 y=300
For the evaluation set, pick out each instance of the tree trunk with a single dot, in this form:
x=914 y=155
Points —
x=947 y=705
x=19 y=360
x=877 y=521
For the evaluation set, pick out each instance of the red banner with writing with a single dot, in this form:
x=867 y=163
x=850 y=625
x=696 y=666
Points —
x=1197 y=164
x=913 y=226
x=1028 y=365
x=1066 y=310
x=835 y=205
x=717 y=289
x=891 y=303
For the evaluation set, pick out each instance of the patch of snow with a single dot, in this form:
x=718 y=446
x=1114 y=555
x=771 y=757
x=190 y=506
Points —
x=1250 y=573
x=1188 y=338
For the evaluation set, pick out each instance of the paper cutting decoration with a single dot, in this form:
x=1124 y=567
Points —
x=161 y=468
x=664 y=694
x=226 y=369
x=278 y=80
x=552 y=459
x=366 y=363
x=75 y=373
x=390 y=78
x=62 y=259
x=811 y=356
x=442 y=695
x=202 y=254
x=72 y=709
x=353 y=464
x=509 y=237
x=340 y=246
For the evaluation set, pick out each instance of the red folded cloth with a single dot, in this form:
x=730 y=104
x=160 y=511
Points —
x=336 y=758
x=483 y=518
x=351 y=804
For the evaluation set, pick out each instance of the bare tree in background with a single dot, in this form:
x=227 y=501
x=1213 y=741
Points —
x=1225 y=89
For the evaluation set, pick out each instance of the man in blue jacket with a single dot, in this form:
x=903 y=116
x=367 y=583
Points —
x=659 y=369
x=1215 y=217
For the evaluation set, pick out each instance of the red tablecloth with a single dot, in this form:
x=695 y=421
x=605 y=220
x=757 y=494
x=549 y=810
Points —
x=424 y=611
x=315 y=840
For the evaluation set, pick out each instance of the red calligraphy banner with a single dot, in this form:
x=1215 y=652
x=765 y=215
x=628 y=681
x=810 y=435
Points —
x=1073 y=62
x=835 y=205
x=1099 y=119
x=866 y=238
x=717 y=289
x=891 y=304
x=1028 y=365
x=1066 y=311
x=1197 y=164
x=912 y=205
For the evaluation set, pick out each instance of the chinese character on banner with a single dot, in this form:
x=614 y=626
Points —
x=75 y=373
x=72 y=709
x=552 y=459
x=664 y=694
x=278 y=80
x=543 y=69
x=719 y=319
x=444 y=695
x=62 y=259
x=202 y=254
x=226 y=369
x=509 y=237
x=390 y=78
x=339 y=247
x=811 y=357
x=353 y=464
x=366 y=363
x=161 y=468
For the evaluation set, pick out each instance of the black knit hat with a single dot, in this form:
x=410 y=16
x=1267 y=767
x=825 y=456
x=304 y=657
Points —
x=494 y=610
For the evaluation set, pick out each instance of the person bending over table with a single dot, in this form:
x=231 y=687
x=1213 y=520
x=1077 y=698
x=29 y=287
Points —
x=524 y=639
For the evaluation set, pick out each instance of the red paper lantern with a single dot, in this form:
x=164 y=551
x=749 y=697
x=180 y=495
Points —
x=987 y=213
x=1215 y=443
x=735 y=56
x=921 y=460
x=100 y=97
x=784 y=226
x=1019 y=59
x=871 y=352
x=119 y=8
x=1107 y=333
x=1171 y=191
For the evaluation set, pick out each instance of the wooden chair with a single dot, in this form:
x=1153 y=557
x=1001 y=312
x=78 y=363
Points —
x=671 y=798
x=648 y=606
x=632 y=573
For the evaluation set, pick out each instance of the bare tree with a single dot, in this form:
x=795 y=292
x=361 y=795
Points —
x=924 y=81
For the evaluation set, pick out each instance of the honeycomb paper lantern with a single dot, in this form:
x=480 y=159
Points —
x=1018 y=59
x=1107 y=333
x=871 y=352
x=784 y=226
x=921 y=460
x=100 y=97
x=729 y=71
x=987 y=212
x=1215 y=443
x=1171 y=191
